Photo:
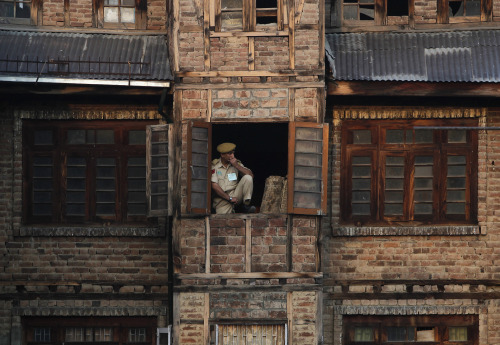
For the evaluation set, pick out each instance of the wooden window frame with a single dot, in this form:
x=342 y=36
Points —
x=120 y=327
x=140 y=16
x=35 y=12
x=250 y=14
x=377 y=149
x=444 y=18
x=59 y=150
x=440 y=323
x=292 y=207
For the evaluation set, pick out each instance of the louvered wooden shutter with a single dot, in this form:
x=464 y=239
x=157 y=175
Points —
x=158 y=173
x=307 y=170
x=199 y=167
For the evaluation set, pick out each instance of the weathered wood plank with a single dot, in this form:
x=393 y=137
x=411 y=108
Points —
x=249 y=33
x=259 y=275
x=249 y=73
x=380 y=88
x=286 y=85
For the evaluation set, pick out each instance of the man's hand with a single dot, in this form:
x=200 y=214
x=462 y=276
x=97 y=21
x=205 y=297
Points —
x=233 y=161
x=233 y=200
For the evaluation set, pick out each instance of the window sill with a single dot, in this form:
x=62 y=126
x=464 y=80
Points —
x=93 y=231
x=438 y=230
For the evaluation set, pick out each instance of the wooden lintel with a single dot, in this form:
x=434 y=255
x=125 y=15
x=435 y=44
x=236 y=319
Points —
x=486 y=282
x=82 y=296
x=221 y=86
x=227 y=74
x=262 y=275
x=248 y=33
x=419 y=89
x=246 y=287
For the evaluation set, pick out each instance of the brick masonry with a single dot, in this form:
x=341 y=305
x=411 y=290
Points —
x=250 y=104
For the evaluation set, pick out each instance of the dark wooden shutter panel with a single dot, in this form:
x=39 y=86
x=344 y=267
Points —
x=199 y=167
x=307 y=171
x=158 y=176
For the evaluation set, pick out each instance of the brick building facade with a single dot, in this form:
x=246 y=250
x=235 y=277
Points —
x=380 y=163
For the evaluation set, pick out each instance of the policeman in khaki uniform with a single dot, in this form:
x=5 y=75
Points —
x=229 y=189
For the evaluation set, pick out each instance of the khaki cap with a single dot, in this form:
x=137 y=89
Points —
x=226 y=147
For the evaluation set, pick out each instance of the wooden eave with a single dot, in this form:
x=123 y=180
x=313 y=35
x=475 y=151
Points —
x=411 y=88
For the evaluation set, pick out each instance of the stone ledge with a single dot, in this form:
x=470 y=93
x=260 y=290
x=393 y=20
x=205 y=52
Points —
x=82 y=231
x=445 y=230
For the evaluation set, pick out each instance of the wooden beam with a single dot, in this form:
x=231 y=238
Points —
x=263 y=275
x=207 y=245
x=251 y=53
x=248 y=245
x=286 y=73
x=419 y=89
x=221 y=86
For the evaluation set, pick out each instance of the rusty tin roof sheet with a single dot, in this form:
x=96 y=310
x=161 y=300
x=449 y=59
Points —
x=84 y=56
x=461 y=56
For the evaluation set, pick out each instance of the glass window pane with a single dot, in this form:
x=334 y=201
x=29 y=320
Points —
x=472 y=8
x=111 y=14
x=23 y=10
x=105 y=136
x=361 y=136
x=363 y=334
x=7 y=9
x=457 y=136
x=137 y=137
x=350 y=12
x=42 y=137
x=424 y=136
x=76 y=136
x=458 y=333
x=395 y=136
x=127 y=15
x=111 y=2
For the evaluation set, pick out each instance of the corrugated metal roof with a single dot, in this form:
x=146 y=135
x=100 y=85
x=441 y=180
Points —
x=461 y=56
x=84 y=56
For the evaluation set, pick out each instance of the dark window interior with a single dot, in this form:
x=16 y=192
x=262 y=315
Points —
x=263 y=148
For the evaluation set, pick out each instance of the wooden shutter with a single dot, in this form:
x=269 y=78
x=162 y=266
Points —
x=158 y=172
x=199 y=167
x=307 y=169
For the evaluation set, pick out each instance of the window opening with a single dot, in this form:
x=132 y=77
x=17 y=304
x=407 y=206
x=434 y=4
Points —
x=19 y=9
x=263 y=148
x=464 y=8
x=119 y=11
x=397 y=8
x=266 y=11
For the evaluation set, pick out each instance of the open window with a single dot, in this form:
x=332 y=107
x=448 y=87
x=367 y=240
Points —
x=464 y=11
x=248 y=15
x=375 y=12
x=297 y=151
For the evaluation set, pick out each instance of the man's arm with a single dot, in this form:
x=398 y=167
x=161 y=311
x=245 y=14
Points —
x=243 y=171
x=218 y=190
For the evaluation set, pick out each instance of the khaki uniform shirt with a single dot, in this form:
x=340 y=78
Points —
x=226 y=178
